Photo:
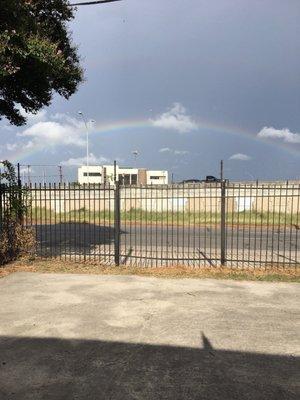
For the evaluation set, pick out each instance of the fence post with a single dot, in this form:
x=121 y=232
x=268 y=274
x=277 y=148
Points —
x=1 y=208
x=20 y=199
x=223 y=222
x=117 y=223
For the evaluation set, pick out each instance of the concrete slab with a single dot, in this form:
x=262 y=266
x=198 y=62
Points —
x=128 y=337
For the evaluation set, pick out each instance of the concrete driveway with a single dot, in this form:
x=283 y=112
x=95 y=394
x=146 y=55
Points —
x=126 y=337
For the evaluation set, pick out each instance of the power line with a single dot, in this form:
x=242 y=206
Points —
x=90 y=3
x=39 y=165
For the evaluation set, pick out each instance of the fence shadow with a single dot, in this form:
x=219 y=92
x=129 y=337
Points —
x=72 y=238
x=48 y=368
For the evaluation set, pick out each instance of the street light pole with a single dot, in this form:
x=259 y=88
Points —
x=87 y=144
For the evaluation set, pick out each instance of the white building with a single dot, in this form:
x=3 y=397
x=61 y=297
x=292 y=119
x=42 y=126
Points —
x=101 y=174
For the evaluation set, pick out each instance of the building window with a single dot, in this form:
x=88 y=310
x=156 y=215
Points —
x=128 y=179
x=156 y=177
x=124 y=179
x=134 y=179
x=91 y=174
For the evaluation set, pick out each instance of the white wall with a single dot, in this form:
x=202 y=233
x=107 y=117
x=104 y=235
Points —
x=161 y=177
x=92 y=169
x=157 y=177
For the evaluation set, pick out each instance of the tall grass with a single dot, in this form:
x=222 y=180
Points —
x=43 y=215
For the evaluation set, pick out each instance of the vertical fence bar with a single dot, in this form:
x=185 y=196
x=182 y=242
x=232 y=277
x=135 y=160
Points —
x=65 y=210
x=117 y=223
x=94 y=220
x=291 y=224
x=223 y=222
x=40 y=218
x=90 y=246
x=297 y=227
x=140 y=258
x=2 y=196
x=48 y=203
x=20 y=211
x=146 y=223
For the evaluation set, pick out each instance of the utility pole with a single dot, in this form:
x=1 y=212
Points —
x=90 y=3
x=19 y=175
x=60 y=174
x=28 y=174
x=221 y=170
x=115 y=172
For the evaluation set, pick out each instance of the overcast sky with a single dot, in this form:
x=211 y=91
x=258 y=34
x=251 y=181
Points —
x=186 y=83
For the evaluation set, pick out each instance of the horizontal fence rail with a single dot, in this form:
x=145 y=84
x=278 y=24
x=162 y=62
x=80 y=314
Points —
x=237 y=225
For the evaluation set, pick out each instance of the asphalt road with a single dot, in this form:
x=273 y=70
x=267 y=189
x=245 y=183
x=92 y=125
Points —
x=86 y=236
x=249 y=238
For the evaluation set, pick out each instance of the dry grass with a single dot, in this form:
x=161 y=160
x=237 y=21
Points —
x=53 y=266
x=15 y=241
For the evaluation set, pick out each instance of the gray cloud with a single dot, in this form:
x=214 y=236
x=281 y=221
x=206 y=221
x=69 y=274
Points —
x=165 y=51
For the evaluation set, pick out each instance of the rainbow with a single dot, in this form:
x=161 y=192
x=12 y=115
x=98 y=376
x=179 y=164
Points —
x=123 y=125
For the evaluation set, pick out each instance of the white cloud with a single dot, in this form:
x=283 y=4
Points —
x=55 y=130
x=11 y=146
x=33 y=118
x=29 y=145
x=7 y=127
x=240 y=156
x=54 y=133
x=176 y=152
x=181 y=152
x=283 y=134
x=175 y=119
x=77 y=162
x=47 y=132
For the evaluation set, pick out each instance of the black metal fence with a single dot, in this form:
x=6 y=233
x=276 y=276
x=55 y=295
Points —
x=238 y=225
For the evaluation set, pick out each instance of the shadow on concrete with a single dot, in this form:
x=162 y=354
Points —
x=46 y=368
x=72 y=238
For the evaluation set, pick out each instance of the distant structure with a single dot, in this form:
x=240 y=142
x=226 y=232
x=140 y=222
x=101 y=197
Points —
x=105 y=174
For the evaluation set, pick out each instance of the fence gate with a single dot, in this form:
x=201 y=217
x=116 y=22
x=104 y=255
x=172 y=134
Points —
x=240 y=225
